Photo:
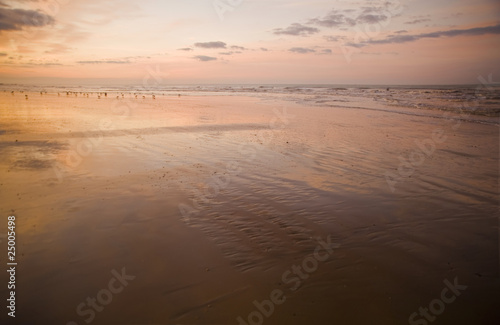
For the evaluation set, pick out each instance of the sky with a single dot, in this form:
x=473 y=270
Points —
x=251 y=41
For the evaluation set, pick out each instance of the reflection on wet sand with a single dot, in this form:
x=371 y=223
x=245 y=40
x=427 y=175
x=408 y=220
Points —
x=91 y=201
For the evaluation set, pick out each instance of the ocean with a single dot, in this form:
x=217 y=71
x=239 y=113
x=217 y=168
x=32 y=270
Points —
x=477 y=100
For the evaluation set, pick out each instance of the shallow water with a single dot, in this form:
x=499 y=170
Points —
x=210 y=208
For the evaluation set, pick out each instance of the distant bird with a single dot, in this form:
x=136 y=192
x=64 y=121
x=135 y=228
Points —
x=143 y=97
x=154 y=97
x=179 y=95
x=98 y=96
x=105 y=94
x=117 y=97
x=26 y=96
x=58 y=94
x=135 y=96
x=12 y=92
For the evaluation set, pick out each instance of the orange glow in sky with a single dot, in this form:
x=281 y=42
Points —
x=252 y=41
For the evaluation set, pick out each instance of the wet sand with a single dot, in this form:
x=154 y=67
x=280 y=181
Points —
x=209 y=202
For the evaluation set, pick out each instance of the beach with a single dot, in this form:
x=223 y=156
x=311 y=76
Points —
x=243 y=208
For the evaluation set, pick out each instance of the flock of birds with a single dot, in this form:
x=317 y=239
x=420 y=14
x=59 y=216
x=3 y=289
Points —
x=87 y=95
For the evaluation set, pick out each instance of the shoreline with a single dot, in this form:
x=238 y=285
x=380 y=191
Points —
x=126 y=168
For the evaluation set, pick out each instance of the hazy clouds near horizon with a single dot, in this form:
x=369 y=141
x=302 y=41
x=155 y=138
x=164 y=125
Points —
x=275 y=41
